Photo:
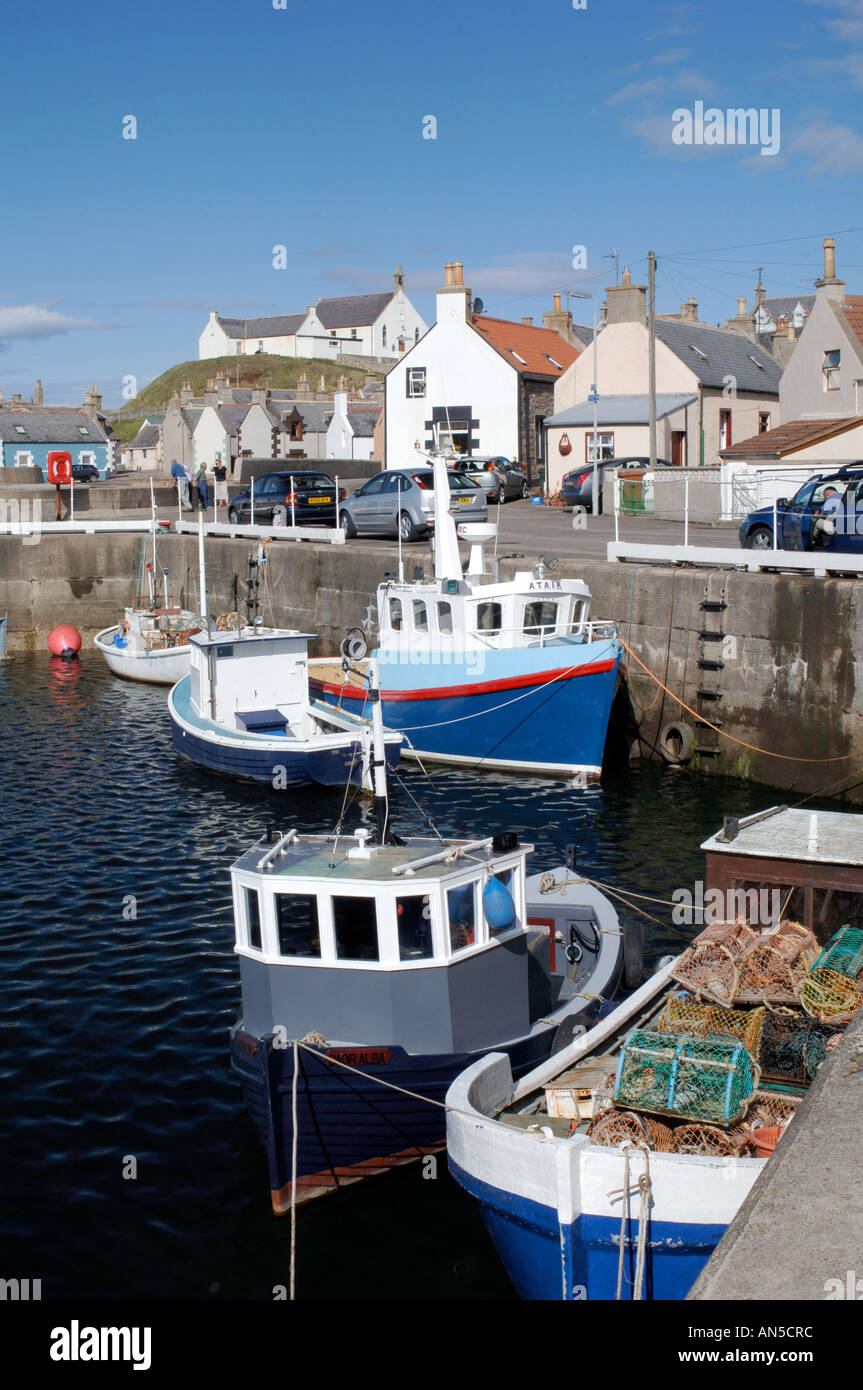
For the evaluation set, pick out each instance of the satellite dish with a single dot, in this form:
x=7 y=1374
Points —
x=478 y=306
x=354 y=645
x=549 y=562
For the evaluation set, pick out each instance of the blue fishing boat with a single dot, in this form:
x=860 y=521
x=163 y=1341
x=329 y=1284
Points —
x=612 y=1170
x=508 y=675
x=374 y=969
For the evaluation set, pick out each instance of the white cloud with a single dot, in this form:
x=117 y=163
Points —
x=670 y=85
x=38 y=321
x=829 y=148
x=531 y=272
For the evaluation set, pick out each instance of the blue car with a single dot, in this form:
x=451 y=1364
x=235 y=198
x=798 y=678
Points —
x=800 y=524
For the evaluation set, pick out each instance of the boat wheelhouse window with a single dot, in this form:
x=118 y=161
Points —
x=488 y=617
x=356 y=928
x=444 y=617
x=395 y=614
x=413 y=915
x=578 y=612
x=540 y=615
x=297 y=924
x=253 y=918
x=461 y=907
x=421 y=615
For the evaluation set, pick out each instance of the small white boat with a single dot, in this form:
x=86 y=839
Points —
x=150 y=644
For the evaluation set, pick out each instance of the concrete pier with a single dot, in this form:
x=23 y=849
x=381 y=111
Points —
x=771 y=658
x=797 y=1235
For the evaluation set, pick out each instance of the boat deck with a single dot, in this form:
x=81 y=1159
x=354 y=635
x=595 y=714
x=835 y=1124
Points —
x=324 y=857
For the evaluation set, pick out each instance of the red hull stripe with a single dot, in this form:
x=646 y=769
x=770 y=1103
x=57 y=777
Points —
x=448 y=692
x=311 y=1185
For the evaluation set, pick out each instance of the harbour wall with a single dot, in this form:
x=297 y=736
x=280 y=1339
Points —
x=770 y=659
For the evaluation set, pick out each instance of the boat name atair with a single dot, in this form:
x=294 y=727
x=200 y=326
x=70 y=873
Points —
x=545 y=584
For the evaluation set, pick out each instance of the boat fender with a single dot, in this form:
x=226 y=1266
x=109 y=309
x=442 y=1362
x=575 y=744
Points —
x=498 y=906
x=676 y=742
x=633 y=955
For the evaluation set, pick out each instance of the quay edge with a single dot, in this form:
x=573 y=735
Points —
x=786 y=644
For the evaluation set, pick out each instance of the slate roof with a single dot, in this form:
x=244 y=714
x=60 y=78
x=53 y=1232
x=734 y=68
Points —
x=786 y=305
x=541 y=351
x=584 y=334
x=278 y=326
x=50 y=427
x=353 y=310
x=315 y=414
x=363 y=420
x=723 y=353
x=620 y=410
x=785 y=439
x=146 y=438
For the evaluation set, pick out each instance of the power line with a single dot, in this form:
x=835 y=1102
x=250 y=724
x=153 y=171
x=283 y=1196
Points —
x=750 y=245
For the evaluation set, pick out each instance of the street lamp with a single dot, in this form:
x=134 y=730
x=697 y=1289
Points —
x=594 y=397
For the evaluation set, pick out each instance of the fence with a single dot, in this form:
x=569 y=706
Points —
x=665 y=493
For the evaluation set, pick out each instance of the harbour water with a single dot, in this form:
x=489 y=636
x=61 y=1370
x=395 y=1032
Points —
x=128 y=1167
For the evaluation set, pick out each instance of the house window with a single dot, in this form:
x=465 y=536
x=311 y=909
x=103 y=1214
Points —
x=725 y=429
x=260 y=345
x=239 y=348
x=763 y=421
x=356 y=928
x=384 y=336
x=353 y=332
x=830 y=370
x=23 y=460
x=296 y=429
x=605 y=447
x=416 y=381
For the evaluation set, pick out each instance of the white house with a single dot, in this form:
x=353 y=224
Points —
x=217 y=432
x=477 y=384
x=365 y=325
x=350 y=433
x=144 y=452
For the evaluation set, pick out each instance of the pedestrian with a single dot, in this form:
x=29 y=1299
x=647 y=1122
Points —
x=220 y=473
x=181 y=478
x=203 y=487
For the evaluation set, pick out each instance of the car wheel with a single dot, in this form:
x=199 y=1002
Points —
x=407 y=529
x=280 y=516
x=233 y=517
x=347 y=526
x=759 y=538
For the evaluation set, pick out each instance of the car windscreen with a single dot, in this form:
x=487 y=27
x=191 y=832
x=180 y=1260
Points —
x=310 y=481
x=455 y=480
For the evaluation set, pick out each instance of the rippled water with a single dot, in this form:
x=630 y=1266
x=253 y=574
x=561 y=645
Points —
x=119 y=984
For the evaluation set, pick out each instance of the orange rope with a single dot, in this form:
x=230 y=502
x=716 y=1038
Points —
x=787 y=757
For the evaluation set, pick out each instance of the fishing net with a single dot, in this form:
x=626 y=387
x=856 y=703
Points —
x=790 y=939
x=792 y=1047
x=771 y=1108
x=708 y=1078
x=688 y=1015
x=707 y=1140
x=709 y=969
x=767 y=976
x=829 y=996
x=613 y=1127
x=843 y=953
x=737 y=937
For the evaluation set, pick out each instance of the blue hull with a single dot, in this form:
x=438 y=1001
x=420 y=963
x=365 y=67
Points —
x=549 y=1262
x=553 y=717
x=285 y=770
x=349 y=1127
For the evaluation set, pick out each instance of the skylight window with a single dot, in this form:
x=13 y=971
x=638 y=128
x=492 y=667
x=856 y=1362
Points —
x=19 y=429
x=759 y=365
x=552 y=361
x=517 y=358
x=698 y=352
x=82 y=429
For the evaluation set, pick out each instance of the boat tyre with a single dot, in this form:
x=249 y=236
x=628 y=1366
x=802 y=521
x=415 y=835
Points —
x=233 y=516
x=407 y=530
x=347 y=526
x=633 y=955
x=676 y=742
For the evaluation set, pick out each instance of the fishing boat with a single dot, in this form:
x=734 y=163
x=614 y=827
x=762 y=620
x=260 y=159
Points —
x=509 y=675
x=612 y=1170
x=151 y=642
x=374 y=969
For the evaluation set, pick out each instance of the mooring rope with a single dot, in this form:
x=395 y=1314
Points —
x=643 y=1188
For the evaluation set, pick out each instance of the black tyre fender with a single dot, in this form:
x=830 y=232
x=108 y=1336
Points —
x=633 y=955
x=676 y=742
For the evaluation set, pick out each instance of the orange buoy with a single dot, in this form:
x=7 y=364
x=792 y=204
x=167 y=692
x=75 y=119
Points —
x=64 y=641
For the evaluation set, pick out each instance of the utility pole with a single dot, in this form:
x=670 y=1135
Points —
x=651 y=352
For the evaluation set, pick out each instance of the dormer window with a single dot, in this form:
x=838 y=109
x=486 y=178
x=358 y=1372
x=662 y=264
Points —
x=830 y=370
x=19 y=429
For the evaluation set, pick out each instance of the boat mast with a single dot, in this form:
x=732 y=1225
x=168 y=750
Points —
x=379 y=762
x=447 y=564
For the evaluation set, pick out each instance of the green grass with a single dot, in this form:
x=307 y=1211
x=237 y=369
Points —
x=127 y=429
x=279 y=373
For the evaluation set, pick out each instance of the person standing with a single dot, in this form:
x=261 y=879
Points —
x=203 y=487
x=181 y=478
x=220 y=473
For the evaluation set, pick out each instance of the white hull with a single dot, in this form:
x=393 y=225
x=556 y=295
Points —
x=156 y=668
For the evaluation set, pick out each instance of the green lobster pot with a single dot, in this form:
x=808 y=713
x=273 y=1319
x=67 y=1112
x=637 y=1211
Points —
x=843 y=953
x=711 y=1079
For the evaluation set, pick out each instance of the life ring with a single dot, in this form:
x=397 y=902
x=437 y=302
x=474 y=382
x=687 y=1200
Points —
x=676 y=742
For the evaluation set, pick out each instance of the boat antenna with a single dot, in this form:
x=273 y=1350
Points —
x=399 y=528
x=379 y=761
x=202 y=570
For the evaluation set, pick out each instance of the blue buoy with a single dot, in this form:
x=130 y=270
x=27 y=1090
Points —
x=498 y=906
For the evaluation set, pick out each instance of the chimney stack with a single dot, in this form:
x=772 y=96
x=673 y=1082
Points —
x=828 y=284
x=527 y=320
x=557 y=301
x=454 y=297
x=626 y=303
x=829 y=258
x=560 y=321
x=457 y=272
x=448 y=273
x=741 y=306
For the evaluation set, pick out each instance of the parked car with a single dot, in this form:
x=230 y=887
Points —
x=85 y=472
x=298 y=495
x=501 y=479
x=576 y=488
x=795 y=518
x=401 y=500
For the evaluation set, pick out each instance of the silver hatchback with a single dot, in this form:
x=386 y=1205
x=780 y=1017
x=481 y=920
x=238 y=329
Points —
x=401 y=501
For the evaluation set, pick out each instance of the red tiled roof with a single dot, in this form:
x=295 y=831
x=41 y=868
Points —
x=796 y=434
x=535 y=346
x=853 y=312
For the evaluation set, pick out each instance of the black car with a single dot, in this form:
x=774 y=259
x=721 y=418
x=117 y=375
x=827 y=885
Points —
x=576 y=488
x=85 y=472
x=282 y=499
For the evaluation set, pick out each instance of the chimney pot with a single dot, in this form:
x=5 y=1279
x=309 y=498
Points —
x=527 y=320
x=741 y=306
x=627 y=278
x=557 y=300
x=458 y=268
x=448 y=273
x=829 y=258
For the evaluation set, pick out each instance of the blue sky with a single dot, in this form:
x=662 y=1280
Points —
x=302 y=126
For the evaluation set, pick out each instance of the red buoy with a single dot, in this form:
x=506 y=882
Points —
x=64 y=641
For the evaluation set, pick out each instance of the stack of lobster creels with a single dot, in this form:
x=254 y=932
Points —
x=759 y=1008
